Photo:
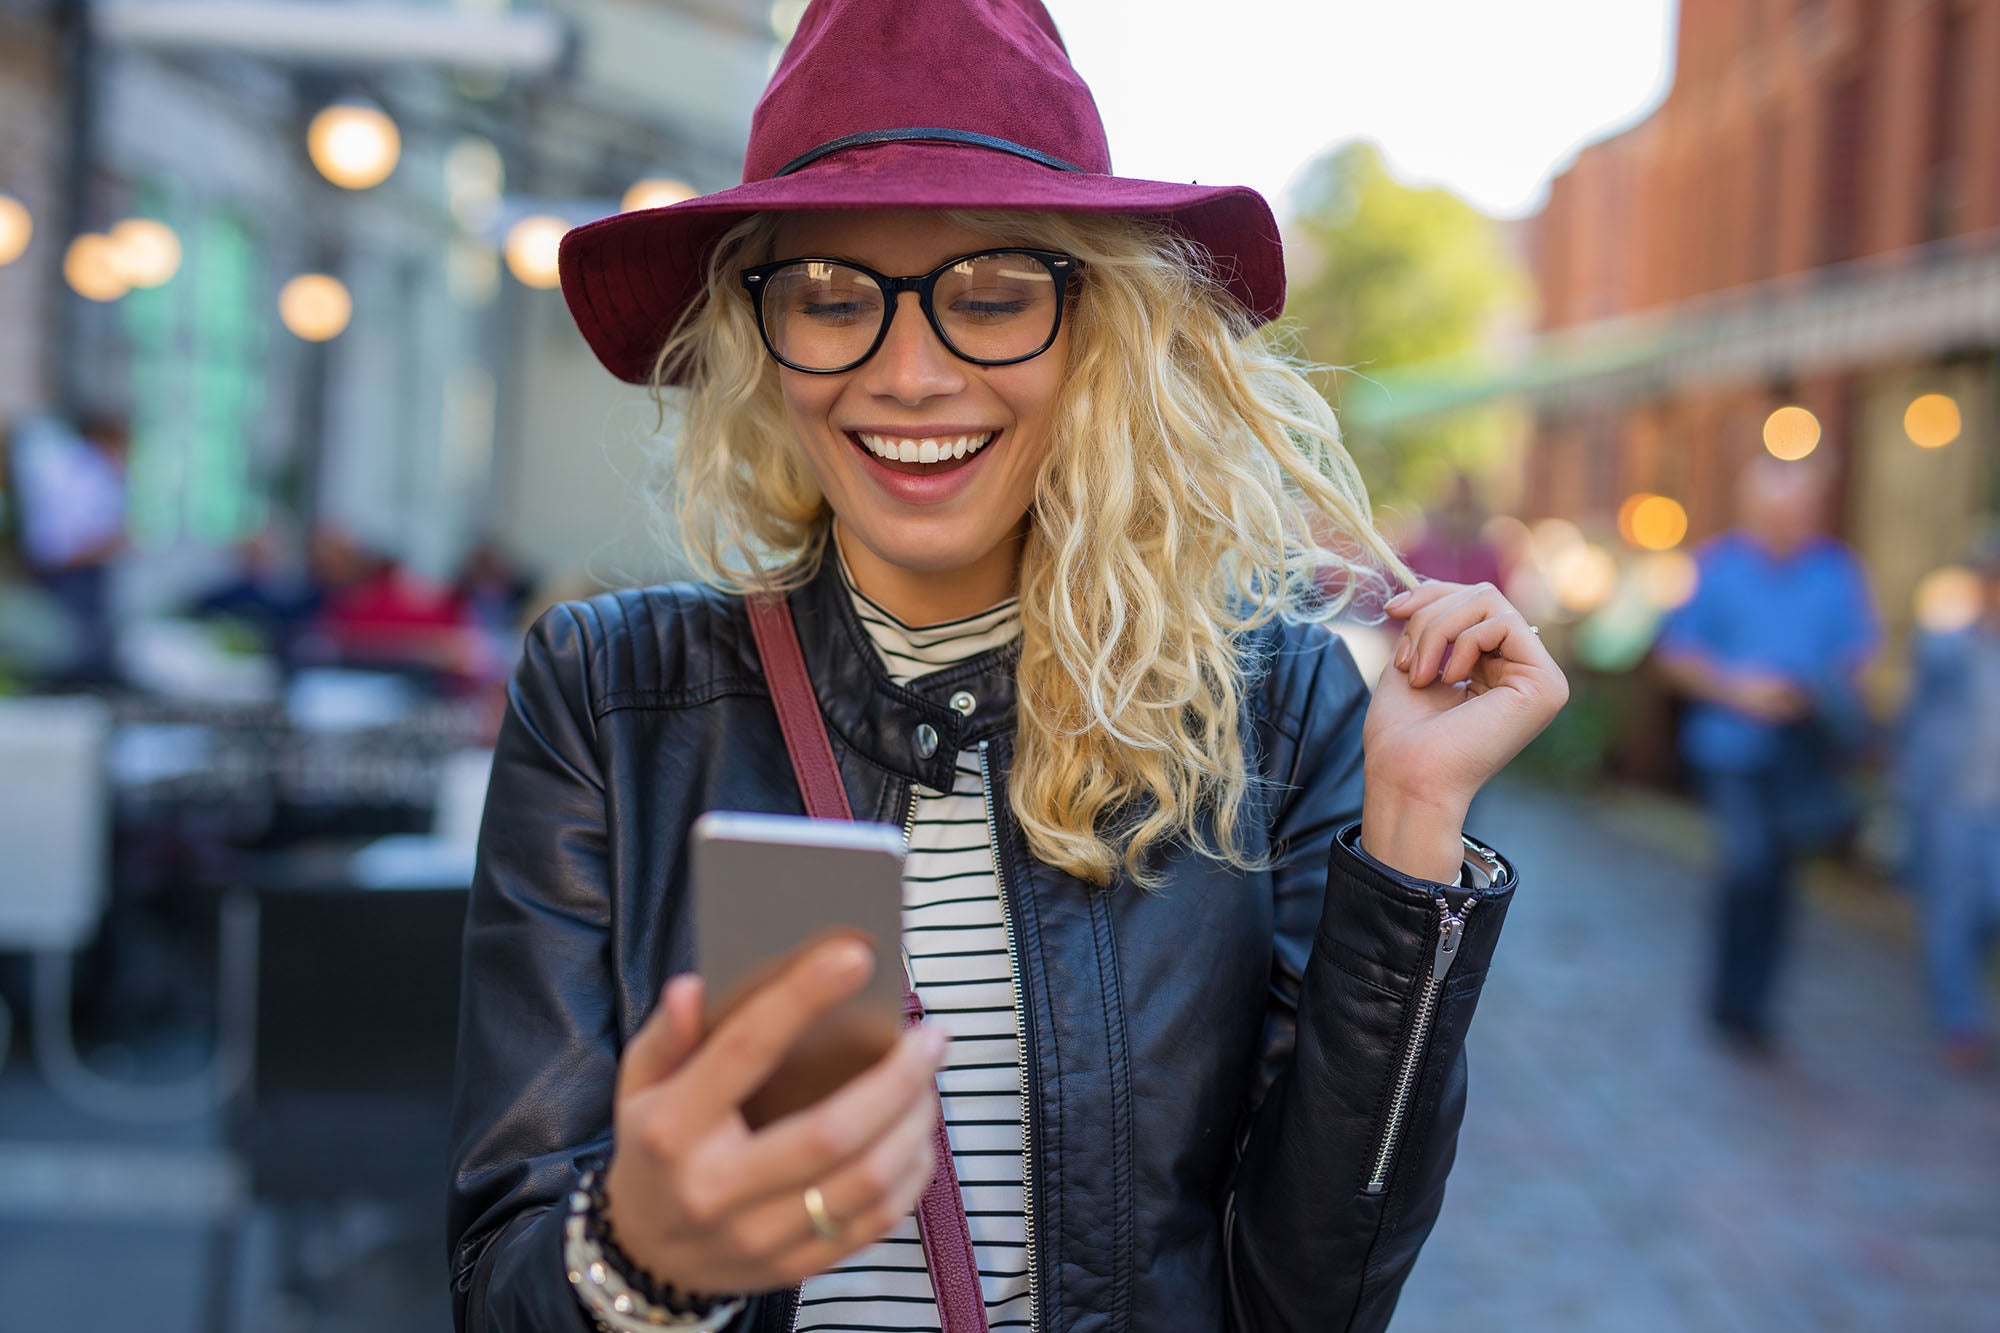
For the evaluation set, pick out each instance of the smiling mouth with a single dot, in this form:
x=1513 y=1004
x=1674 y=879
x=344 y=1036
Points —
x=921 y=457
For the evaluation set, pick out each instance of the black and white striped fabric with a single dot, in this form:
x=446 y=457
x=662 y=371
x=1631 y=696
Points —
x=957 y=942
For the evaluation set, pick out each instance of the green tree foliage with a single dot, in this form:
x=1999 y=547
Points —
x=1386 y=278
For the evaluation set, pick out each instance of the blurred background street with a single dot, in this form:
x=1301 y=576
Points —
x=1619 y=1171
x=1679 y=321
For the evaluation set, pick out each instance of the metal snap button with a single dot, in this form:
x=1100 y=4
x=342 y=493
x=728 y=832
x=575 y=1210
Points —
x=927 y=740
x=964 y=703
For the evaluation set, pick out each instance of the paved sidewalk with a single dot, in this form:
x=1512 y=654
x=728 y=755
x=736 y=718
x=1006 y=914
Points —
x=1619 y=1173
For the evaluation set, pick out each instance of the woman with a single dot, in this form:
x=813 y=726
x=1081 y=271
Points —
x=996 y=424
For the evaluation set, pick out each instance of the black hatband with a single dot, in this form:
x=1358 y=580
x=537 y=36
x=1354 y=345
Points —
x=929 y=133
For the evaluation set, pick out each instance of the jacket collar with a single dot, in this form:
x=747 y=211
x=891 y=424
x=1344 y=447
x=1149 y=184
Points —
x=879 y=719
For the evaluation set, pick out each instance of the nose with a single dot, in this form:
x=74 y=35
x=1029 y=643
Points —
x=912 y=365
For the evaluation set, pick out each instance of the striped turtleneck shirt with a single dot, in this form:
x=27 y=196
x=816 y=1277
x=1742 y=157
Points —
x=955 y=934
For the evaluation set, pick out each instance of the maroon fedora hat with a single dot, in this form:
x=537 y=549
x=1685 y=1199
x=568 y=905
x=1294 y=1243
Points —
x=904 y=104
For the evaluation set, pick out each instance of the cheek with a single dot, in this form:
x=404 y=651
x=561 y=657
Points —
x=809 y=403
x=1035 y=408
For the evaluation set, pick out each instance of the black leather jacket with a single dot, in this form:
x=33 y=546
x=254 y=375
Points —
x=1244 y=1090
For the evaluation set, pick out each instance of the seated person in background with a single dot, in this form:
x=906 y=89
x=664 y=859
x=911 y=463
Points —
x=271 y=592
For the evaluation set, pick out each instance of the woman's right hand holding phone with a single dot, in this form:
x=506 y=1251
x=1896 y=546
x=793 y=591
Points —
x=700 y=1200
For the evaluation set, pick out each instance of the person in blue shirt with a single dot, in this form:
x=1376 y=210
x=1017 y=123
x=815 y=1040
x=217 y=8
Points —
x=1949 y=780
x=1768 y=652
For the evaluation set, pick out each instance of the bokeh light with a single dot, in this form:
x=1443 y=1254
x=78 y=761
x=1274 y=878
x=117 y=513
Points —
x=1950 y=598
x=472 y=273
x=91 y=267
x=1932 y=421
x=315 y=306
x=474 y=178
x=1667 y=579
x=1652 y=522
x=354 y=146
x=1584 y=577
x=1790 y=433
x=1553 y=536
x=148 y=251
x=17 y=228
x=1507 y=534
x=655 y=192
x=531 y=249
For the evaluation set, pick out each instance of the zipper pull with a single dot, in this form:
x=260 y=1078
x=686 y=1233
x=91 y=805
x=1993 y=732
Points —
x=1450 y=931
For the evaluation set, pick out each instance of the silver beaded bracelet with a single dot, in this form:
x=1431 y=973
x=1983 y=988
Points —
x=609 y=1299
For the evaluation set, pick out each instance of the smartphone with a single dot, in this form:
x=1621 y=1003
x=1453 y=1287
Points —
x=768 y=886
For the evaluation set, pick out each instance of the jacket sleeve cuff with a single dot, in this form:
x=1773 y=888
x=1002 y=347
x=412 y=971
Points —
x=1377 y=918
x=1482 y=870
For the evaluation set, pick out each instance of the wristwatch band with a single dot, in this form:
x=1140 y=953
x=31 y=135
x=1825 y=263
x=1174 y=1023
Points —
x=1482 y=868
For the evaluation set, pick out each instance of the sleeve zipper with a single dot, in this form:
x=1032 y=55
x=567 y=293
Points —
x=1450 y=933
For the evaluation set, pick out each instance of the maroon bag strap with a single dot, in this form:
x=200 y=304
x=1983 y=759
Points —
x=941 y=1223
x=798 y=709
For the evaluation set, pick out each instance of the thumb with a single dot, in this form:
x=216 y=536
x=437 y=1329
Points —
x=666 y=1039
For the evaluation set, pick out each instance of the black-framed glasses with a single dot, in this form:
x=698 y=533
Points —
x=992 y=308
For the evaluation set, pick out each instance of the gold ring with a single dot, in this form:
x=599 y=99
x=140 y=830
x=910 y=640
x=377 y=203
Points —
x=822 y=1221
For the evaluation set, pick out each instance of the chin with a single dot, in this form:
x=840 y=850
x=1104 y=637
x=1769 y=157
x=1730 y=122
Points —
x=906 y=552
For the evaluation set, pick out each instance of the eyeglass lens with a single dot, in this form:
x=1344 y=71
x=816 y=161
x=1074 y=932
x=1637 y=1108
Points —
x=824 y=315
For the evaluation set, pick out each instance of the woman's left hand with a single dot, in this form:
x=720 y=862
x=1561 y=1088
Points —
x=1470 y=684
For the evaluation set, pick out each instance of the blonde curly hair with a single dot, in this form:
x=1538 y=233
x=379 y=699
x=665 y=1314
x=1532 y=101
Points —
x=1215 y=496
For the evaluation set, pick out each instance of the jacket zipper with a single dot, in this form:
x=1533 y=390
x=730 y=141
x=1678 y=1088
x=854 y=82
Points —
x=909 y=834
x=1451 y=931
x=1021 y=1022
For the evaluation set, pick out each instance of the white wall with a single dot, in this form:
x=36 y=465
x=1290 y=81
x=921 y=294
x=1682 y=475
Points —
x=579 y=460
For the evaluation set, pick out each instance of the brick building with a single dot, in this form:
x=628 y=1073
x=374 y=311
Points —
x=1812 y=217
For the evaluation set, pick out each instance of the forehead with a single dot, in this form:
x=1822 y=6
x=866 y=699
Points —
x=894 y=241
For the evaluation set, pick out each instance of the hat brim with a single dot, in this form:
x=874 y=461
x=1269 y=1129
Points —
x=629 y=279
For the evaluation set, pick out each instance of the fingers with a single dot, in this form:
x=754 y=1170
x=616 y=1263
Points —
x=1412 y=600
x=745 y=1048
x=805 y=1146
x=1449 y=611
x=877 y=1189
x=664 y=1041
x=1472 y=644
x=1454 y=626
x=868 y=1198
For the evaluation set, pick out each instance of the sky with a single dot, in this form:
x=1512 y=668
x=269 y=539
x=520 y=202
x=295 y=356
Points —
x=1487 y=97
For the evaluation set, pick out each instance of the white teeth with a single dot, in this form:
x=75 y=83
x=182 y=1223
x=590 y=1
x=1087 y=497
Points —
x=938 y=450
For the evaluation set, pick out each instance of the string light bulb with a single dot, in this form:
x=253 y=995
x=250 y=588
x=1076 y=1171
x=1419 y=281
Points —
x=1790 y=433
x=149 y=253
x=17 y=228
x=315 y=306
x=91 y=267
x=655 y=192
x=531 y=249
x=354 y=145
x=1932 y=421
